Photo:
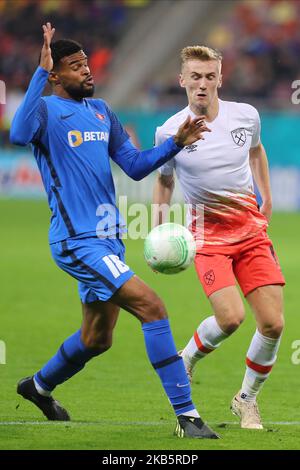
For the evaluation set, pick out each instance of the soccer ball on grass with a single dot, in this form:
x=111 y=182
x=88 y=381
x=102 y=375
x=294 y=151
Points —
x=169 y=248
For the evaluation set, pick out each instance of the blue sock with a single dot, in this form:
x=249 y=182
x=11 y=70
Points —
x=168 y=365
x=69 y=359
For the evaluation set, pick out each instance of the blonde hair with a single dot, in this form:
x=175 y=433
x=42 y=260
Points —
x=200 y=53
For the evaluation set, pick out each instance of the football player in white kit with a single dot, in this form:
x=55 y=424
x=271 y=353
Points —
x=215 y=175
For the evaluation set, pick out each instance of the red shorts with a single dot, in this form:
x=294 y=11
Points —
x=252 y=263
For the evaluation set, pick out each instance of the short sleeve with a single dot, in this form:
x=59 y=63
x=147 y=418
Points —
x=256 y=129
x=167 y=168
x=159 y=137
x=118 y=135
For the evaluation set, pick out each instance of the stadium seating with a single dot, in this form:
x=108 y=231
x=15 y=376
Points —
x=260 y=42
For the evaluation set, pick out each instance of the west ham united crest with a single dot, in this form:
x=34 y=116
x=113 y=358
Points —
x=239 y=136
x=209 y=277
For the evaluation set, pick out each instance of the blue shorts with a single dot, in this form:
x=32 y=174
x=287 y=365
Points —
x=98 y=265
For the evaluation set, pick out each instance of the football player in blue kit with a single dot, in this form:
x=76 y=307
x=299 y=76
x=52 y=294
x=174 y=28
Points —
x=73 y=138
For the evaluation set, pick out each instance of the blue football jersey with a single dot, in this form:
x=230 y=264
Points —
x=73 y=142
x=72 y=148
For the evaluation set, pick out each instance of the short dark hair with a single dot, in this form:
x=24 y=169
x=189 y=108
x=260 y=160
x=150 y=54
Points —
x=63 y=48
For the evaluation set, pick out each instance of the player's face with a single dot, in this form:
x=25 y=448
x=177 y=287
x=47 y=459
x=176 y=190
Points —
x=75 y=77
x=201 y=79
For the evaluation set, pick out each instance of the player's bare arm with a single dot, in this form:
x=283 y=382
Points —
x=162 y=194
x=260 y=171
x=46 y=59
x=191 y=131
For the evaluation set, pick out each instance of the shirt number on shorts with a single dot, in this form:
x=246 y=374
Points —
x=115 y=265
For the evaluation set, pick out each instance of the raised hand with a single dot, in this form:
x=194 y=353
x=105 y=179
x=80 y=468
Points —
x=191 y=131
x=46 y=59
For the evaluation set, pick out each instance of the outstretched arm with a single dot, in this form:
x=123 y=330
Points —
x=26 y=122
x=162 y=194
x=138 y=164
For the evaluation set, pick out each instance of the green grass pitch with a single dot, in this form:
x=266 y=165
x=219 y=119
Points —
x=117 y=402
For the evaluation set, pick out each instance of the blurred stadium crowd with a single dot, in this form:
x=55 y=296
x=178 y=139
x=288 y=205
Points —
x=99 y=24
x=261 y=46
x=260 y=42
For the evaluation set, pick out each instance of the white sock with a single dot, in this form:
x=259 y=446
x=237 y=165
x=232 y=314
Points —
x=206 y=339
x=193 y=413
x=40 y=390
x=261 y=357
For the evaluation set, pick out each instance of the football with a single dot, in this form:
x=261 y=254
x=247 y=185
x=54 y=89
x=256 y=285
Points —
x=169 y=248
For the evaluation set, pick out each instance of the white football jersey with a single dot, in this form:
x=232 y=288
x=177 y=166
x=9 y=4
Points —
x=215 y=174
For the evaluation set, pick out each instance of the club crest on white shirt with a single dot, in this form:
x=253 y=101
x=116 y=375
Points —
x=239 y=136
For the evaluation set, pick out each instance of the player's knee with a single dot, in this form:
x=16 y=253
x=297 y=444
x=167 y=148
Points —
x=232 y=321
x=99 y=343
x=154 y=309
x=274 y=329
